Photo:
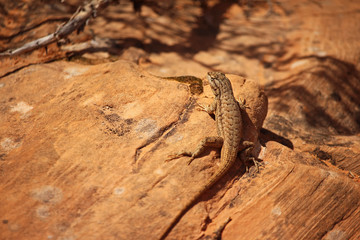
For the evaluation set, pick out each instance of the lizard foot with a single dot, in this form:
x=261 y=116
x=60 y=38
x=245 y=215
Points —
x=256 y=162
x=178 y=155
x=190 y=160
x=242 y=104
x=202 y=107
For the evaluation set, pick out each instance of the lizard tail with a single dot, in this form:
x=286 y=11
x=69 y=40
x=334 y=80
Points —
x=230 y=157
x=180 y=215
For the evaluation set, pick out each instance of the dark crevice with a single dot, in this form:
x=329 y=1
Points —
x=335 y=223
x=182 y=117
x=318 y=186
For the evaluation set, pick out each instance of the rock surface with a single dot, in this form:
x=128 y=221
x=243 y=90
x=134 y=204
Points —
x=82 y=147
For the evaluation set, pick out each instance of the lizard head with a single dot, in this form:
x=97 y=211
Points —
x=219 y=83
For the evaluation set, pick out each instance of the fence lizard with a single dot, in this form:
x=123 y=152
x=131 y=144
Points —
x=230 y=130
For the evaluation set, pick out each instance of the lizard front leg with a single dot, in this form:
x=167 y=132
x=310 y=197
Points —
x=242 y=104
x=210 y=109
x=214 y=142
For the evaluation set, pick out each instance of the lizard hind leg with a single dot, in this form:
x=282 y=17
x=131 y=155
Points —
x=256 y=164
x=207 y=142
x=246 y=156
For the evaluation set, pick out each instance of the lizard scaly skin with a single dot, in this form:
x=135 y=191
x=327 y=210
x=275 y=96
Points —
x=230 y=129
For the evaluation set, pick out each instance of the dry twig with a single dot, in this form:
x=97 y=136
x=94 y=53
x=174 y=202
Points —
x=77 y=22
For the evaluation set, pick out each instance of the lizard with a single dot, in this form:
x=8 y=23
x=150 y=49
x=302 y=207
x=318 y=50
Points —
x=229 y=126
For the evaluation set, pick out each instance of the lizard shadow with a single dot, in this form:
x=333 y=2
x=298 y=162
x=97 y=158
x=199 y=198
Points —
x=267 y=135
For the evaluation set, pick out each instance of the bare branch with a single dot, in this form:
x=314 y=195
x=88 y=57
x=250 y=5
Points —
x=76 y=22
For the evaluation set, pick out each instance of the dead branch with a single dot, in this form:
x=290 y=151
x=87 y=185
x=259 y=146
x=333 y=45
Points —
x=77 y=22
